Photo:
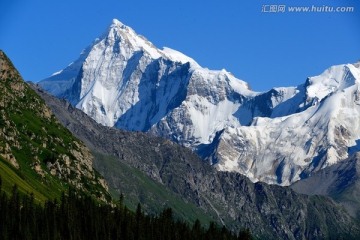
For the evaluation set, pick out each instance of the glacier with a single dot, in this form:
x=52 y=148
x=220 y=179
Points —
x=279 y=136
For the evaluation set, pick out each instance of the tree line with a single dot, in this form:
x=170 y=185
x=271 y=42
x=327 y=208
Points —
x=77 y=216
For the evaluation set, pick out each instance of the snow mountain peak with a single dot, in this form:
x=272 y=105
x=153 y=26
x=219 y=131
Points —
x=120 y=34
x=333 y=79
x=123 y=75
x=116 y=22
x=279 y=136
x=124 y=40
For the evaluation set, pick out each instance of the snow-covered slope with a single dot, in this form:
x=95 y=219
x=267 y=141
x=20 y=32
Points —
x=212 y=99
x=317 y=134
x=277 y=136
x=123 y=80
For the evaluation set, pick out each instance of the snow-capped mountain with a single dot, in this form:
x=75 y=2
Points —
x=278 y=136
x=123 y=80
x=310 y=130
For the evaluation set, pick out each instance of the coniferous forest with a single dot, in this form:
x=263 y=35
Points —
x=78 y=216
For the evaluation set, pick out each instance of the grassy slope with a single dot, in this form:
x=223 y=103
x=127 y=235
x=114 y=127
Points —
x=27 y=183
x=34 y=137
x=26 y=178
x=138 y=187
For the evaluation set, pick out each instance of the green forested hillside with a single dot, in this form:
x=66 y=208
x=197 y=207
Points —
x=77 y=216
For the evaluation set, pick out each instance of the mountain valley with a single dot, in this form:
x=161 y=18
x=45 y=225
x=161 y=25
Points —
x=227 y=198
x=128 y=124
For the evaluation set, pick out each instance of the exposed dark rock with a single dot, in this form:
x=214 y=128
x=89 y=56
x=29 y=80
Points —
x=340 y=181
x=270 y=212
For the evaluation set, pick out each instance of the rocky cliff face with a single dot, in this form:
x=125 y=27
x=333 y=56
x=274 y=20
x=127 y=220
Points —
x=340 y=181
x=32 y=138
x=271 y=212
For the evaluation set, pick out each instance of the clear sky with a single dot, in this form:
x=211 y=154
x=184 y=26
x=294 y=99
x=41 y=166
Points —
x=266 y=49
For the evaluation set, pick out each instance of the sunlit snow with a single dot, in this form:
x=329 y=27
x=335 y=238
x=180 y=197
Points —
x=277 y=136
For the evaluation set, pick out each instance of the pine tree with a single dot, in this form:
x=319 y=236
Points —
x=138 y=222
x=14 y=226
x=196 y=229
x=121 y=200
x=78 y=216
x=244 y=234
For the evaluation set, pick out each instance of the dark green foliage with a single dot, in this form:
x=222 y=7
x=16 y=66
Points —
x=78 y=216
x=245 y=234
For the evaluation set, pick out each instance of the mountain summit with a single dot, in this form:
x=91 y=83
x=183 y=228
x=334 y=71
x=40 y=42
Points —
x=123 y=80
x=278 y=136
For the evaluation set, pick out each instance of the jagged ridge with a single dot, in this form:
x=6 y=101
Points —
x=278 y=136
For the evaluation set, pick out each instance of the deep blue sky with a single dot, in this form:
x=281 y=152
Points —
x=264 y=49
